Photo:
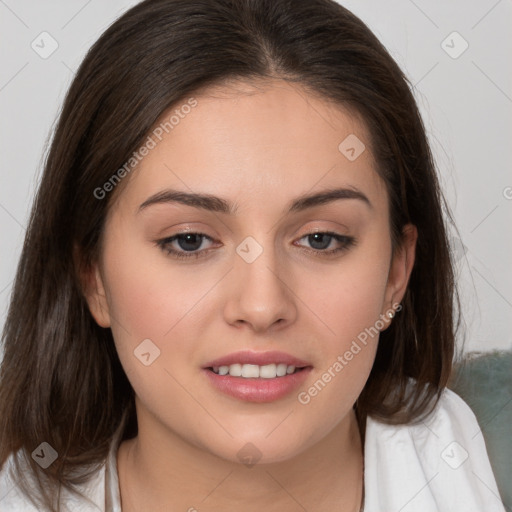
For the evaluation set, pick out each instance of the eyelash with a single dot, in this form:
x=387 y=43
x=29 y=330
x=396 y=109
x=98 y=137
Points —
x=164 y=244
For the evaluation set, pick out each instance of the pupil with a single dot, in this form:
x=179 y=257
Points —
x=183 y=240
x=319 y=236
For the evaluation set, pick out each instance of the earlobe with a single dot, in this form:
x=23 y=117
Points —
x=401 y=266
x=94 y=292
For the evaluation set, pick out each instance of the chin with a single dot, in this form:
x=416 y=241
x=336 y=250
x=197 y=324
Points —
x=261 y=448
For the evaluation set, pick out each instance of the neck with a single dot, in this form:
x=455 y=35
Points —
x=158 y=468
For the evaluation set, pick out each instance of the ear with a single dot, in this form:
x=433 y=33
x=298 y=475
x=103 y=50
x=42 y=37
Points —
x=94 y=292
x=401 y=267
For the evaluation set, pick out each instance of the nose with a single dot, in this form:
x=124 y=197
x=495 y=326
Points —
x=260 y=293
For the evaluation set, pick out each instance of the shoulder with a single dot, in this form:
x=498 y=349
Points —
x=13 y=499
x=437 y=465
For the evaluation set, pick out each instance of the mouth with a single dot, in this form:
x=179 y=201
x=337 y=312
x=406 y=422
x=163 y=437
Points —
x=257 y=377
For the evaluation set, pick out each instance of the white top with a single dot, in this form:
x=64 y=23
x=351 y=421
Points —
x=440 y=465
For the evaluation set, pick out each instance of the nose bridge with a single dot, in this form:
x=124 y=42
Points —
x=260 y=294
x=258 y=266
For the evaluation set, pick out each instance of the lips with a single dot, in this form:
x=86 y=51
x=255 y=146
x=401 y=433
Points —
x=257 y=390
x=226 y=374
x=257 y=358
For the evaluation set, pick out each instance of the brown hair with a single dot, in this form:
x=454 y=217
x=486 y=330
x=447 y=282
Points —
x=61 y=380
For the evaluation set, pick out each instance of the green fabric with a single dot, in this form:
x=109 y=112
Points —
x=484 y=381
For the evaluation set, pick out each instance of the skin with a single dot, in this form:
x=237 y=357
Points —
x=259 y=146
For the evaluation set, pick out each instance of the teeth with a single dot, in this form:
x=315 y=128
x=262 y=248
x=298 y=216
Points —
x=251 y=371
x=282 y=369
x=269 y=371
x=235 y=370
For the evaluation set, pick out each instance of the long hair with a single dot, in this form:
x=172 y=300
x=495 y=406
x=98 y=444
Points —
x=61 y=381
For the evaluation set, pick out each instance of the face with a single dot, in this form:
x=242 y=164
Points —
x=186 y=289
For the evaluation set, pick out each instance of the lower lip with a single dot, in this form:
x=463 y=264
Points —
x=258 y=390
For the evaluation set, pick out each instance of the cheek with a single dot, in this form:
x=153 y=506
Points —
x=152 y=300
x=149 y=296
x=148 y=300
x=351 y=299
x=349 y=303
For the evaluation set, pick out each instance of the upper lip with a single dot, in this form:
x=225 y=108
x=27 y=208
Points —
x=258 y=358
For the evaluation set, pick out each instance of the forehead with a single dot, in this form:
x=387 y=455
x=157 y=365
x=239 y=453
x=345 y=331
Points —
x=256 y=139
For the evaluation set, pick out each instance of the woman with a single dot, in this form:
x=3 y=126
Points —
x=236 y=289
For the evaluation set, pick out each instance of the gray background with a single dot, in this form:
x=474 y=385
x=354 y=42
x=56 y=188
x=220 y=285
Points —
x=465 y=98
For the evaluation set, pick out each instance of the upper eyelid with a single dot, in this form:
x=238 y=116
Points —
x=205 y=235
x=197 y=230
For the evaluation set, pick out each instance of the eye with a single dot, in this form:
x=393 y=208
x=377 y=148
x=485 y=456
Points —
x=188 y=245
x=321 y=240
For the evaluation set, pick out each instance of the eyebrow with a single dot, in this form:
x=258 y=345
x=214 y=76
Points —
x=218 y=204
